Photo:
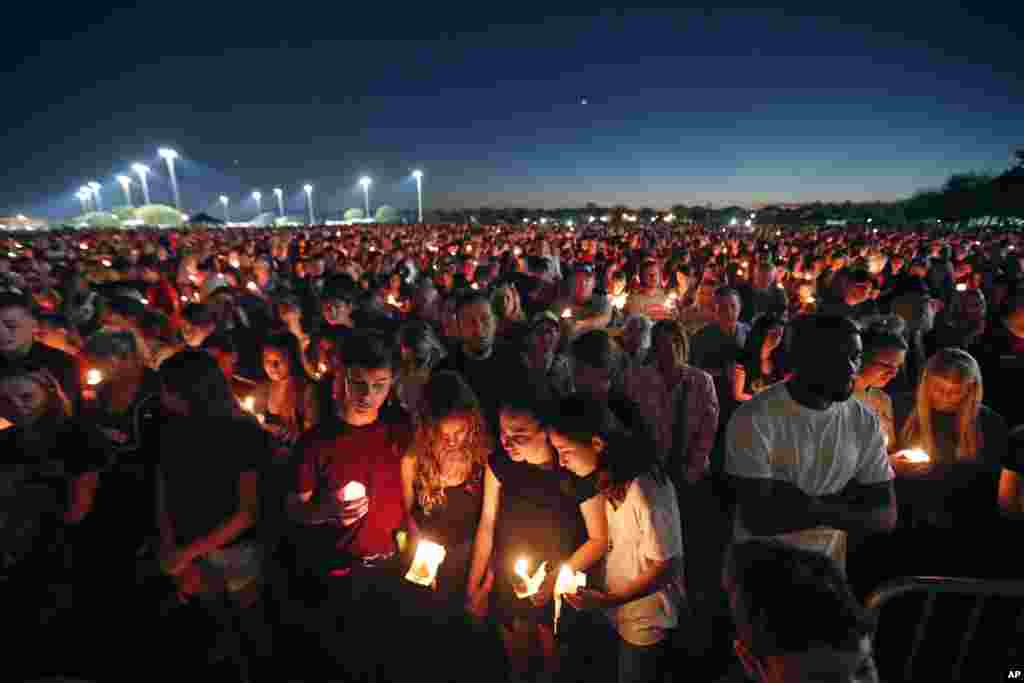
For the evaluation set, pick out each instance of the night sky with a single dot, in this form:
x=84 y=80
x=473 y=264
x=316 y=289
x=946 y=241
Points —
x=682 y=106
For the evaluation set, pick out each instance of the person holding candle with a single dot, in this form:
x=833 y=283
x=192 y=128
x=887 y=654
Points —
x=954 y=494
x=351 y=574
x=644 y=591
x=533 y=512
x=650 y=299
x=442 y=486
x=289 y=398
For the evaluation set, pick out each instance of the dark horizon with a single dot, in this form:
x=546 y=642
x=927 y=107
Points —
x=746 y=107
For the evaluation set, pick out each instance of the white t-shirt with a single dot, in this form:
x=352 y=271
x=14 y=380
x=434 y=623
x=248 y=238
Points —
x=645 y=529
x=818 y=451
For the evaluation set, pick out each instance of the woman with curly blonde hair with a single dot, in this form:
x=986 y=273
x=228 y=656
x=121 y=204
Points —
x=442 y=475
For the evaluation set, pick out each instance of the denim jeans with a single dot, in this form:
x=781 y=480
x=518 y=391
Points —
x=641 y=663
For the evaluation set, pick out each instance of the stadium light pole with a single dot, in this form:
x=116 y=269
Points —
x=279 y=193
x=224 y=201
x=169 y=155
x=418 y=175
x=309 y=200
x=83 y=196
x=258 y=196
x=95 y=188
x=366 y=182
x=142 y=170
x=126 y=185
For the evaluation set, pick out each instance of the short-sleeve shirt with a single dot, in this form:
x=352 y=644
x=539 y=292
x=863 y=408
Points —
x=644 y=529
x=818 y=451
x=201 y=461
x=338 y=454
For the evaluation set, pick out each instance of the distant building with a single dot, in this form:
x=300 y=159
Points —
x=22 y=222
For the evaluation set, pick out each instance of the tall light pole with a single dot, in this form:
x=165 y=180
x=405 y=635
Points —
x=169 y=156
x=258 y=196
x=126 y=185
x=142 y=170
x=83 y=196
x=366 y=182
x=309 y=201
x=279 y=193
x=418 y=175
x=95 y=187
x=224 y=201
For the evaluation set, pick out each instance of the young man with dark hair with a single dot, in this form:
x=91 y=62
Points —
x=358 y=447
x=831 y=640
x=806 y=462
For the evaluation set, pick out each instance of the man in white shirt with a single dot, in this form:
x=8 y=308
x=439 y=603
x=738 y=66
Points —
x=806 y=462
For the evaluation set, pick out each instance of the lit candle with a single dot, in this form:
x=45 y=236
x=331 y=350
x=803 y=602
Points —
x=184 y=299
x=568 y=581
x=961 y=287
x=475 y=285
x=914 y=455
x=567 y=314
x=392 y=300
x=252 y=287
x=519 y=251
x=83 y=246
x=106 y=262
x=322 y=368
x=532 y=582
x=93 y=377
x=425 y=563
x=249 y=404
x=353 y=490
x=145 y=301
x=619 y=301
x=234 y=263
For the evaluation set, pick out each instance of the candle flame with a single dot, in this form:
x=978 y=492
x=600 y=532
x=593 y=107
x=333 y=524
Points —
x=425 y=563
x=568 y=581
x=353 y=490
x=961 y=287
x=619 y=301
x=249 y=404
x=107 y=262
x=916 y=455
x=534 y=582
x=252 y=287
x=475 y=285
x=93 y=377
x=567 y=313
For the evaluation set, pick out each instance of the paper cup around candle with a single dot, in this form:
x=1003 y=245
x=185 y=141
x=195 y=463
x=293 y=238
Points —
x=915 y=455
x=249 y=404
x=534 y=582
x=353 y=490
x=428 y=559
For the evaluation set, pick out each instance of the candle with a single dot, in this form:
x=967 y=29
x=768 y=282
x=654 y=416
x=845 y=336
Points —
x=184 y=299
x=532 y=582
x=475 y=285
x=519 y=251
x=392 y=300
x=619 y=301
x=567 y=314
x=322 y=367
x=425 y=563
x=353 y=490
x=961 y=287
x=145 y=301
x=249 y=404
x=93 y=377
x=107 y=262
x=83 y=246
x=568 y=581
x=914 y=455
x=252 y=287
x=234 y=263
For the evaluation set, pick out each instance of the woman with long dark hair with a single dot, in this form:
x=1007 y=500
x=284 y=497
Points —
x=761 y=363
x=288 y=400
x=644 y=589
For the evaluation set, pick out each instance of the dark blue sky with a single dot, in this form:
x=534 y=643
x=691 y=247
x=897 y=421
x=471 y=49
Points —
x=718 y=106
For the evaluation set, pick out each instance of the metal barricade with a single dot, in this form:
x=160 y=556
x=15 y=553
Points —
x=983 y=592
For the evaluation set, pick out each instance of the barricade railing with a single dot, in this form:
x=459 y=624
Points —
x=983 y=591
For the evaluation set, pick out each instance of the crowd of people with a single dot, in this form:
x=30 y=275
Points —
x=225 y=448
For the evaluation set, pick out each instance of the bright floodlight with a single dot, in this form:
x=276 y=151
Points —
x=308 y=189
x=365 y=182
x=141 y=169
x=278 y=191
x=257 y=195
x=224 y=200
x=417 y=174
x=94 y=186
x=124 y=180
x=168 y=153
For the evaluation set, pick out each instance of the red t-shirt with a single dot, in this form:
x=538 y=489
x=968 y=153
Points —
x=372 y=456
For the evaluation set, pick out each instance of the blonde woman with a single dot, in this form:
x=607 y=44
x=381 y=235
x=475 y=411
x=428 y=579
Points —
x=508 y=308
x=951 y=498
x=442 y=477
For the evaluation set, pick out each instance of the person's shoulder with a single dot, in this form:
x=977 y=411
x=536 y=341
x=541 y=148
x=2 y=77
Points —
x=768 y=402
